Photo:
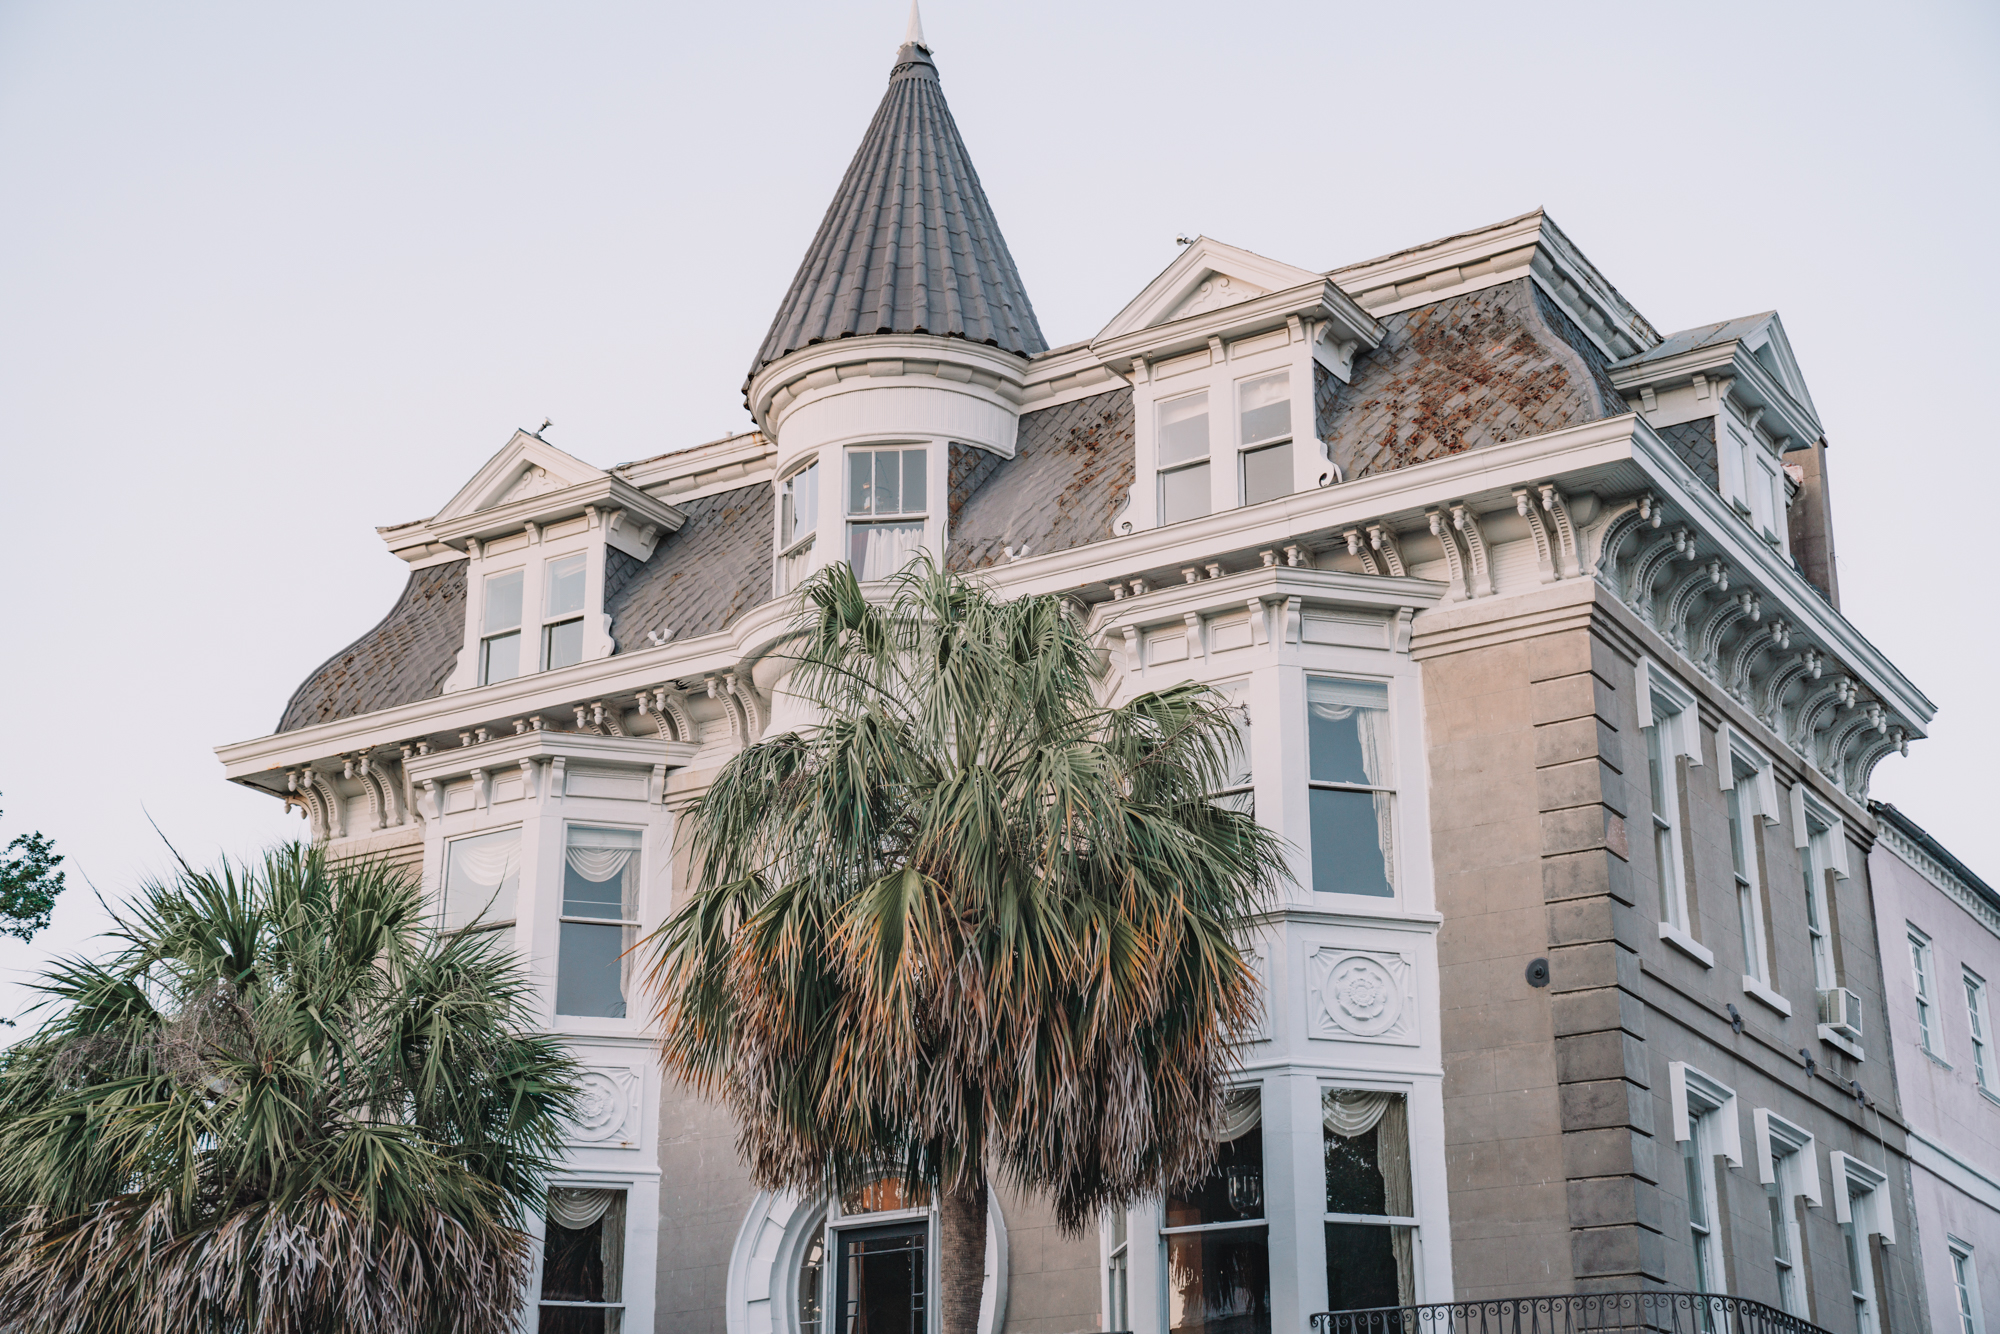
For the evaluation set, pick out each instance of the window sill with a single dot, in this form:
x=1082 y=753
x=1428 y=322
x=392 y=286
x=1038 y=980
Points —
x=1687 y=944
x=1757 y=990
x=1840 y=1043
x=1989 y=1095
x=1936 y=1059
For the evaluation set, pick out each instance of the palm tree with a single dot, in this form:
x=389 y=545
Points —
x=971 y=920
x=285 y=1104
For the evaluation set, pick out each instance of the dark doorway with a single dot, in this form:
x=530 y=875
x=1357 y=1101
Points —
x=884 y=1279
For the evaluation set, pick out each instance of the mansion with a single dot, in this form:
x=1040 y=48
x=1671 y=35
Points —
x=1532 y=613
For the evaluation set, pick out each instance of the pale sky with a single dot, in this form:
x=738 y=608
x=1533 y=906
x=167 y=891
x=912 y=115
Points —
x=271 y=275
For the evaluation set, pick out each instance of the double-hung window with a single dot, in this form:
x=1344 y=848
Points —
x=482 y=879
x=798 y=521
x=1264 y=414
x=1923 y=977
x=1352 y=793
x=500 y=628
x=888 y=494
x=1742 y=803
x=1862 y=1208
x=1667 y=724
x=562 y=612
x=583 y=1263
x=599 y=922
x=1370 y=1208
x=1965 y=1286
x=1218 y=1245
x=1813 y=866
x=1118 y=1274
x=1182 y=444
x=1789 y=1172
x=1704 y=1113
x=1976 y=1020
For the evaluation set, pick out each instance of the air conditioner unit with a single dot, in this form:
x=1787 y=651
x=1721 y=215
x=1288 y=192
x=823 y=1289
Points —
x=1840 y=1010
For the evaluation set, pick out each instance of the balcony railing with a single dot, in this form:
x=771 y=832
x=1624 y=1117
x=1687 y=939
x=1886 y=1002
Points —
x=1668 y=1312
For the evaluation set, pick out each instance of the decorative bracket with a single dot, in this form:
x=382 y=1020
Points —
x=1384 y=540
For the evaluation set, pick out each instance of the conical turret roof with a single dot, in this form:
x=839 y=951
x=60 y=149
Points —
x=909 y=244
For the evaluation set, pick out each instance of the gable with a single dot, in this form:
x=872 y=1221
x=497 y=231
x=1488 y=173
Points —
x=1773 y=351
x=1208 y=276
x=526 y=465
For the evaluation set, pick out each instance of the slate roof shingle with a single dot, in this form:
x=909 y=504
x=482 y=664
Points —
x=909 y=243
x=406 y=657
x=703 y=576
x=1071 y=468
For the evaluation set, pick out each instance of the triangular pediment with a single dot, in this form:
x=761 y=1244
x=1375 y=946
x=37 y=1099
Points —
x=1766 y=342
x=1209 y=275
x=526 y=466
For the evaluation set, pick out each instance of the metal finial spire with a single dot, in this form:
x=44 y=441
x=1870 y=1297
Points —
x=915 y=36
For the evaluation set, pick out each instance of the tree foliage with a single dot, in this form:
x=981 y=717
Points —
x=29 y=883
x=972 y=918
x=285 y=1104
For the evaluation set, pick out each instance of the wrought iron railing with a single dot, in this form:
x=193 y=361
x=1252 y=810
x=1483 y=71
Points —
x=1667 y=1312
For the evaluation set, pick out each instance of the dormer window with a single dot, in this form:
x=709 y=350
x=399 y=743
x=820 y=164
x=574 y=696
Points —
x=1183 y=436
x=562 y=612
x=798 y=520
x=1264 y=410
x=500 y=629
x=887 y=501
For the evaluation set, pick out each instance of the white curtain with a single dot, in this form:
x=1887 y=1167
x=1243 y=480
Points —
x=1242 y=1112
x=577 y=1209
x=599 y=864
x=1352 y=1112
x=481 y=877
x=1368 y=705
x=886 y=546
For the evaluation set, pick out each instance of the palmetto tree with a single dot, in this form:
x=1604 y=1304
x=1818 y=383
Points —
x=970 y=920
x=285 y=1104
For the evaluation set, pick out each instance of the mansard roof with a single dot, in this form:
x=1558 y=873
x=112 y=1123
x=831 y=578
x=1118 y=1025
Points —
x=909 y=243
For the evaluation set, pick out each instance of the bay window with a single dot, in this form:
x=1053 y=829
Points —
x=1183 y=457
x=1370 y=1223
x=1217 y=1243
x=583 y=1263
x=1351 y=797
x=500 y=628
x=562 y=612
x=599 y=922
x=1264 y=414
x=887 y=501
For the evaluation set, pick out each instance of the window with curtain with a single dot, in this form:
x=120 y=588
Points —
x=482 y=879
x=1218 y=1246
x=1352 y=795
x=1183 y=457
x=583 y=1262
x=887 y=497
x=798 y=521
x=562 y=612
x=500 y=628
x=1264 y=414
x=1370 y=1208
x=600 y=912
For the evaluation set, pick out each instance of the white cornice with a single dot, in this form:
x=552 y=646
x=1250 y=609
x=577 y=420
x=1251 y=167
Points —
x=1940 y=876
x=500 y=752
x=1751 y=384
x=973 y=368
x=1202 y=256
x=1318 y=300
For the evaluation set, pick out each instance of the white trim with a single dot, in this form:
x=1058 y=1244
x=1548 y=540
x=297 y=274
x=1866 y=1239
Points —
x=1981 y=1184
x=1940 y=876
x=1849 y=1172
x=1807 y=808
x=1682 y=727
x=1772 y=1131
x=1684 y=1079
x=1687 y=944
x=1742 y=750
x=1753 y=988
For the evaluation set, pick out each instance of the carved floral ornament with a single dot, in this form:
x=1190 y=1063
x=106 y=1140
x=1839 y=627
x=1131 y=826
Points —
x=606 y=1110
x=1362 y=995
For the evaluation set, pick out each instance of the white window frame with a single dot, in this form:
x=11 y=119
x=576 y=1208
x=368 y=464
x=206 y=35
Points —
x=1747 y=776
x=1861 y=1208
x=567 y=1021
x=625 y=1280
x=1788 y=1168
x=551 y=620
x=1206 y=460
x=795 y=557
x=520 y=630
x=1979 y=1022
x=1923 y=989
x=921 y=516
x=519 y=831
x=1117 y=1295
x=1965 y=1284
x=1395 y=804
x=1667 y=708
x=1245 y=447
x=1704 y=1124
x=1816 y=835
